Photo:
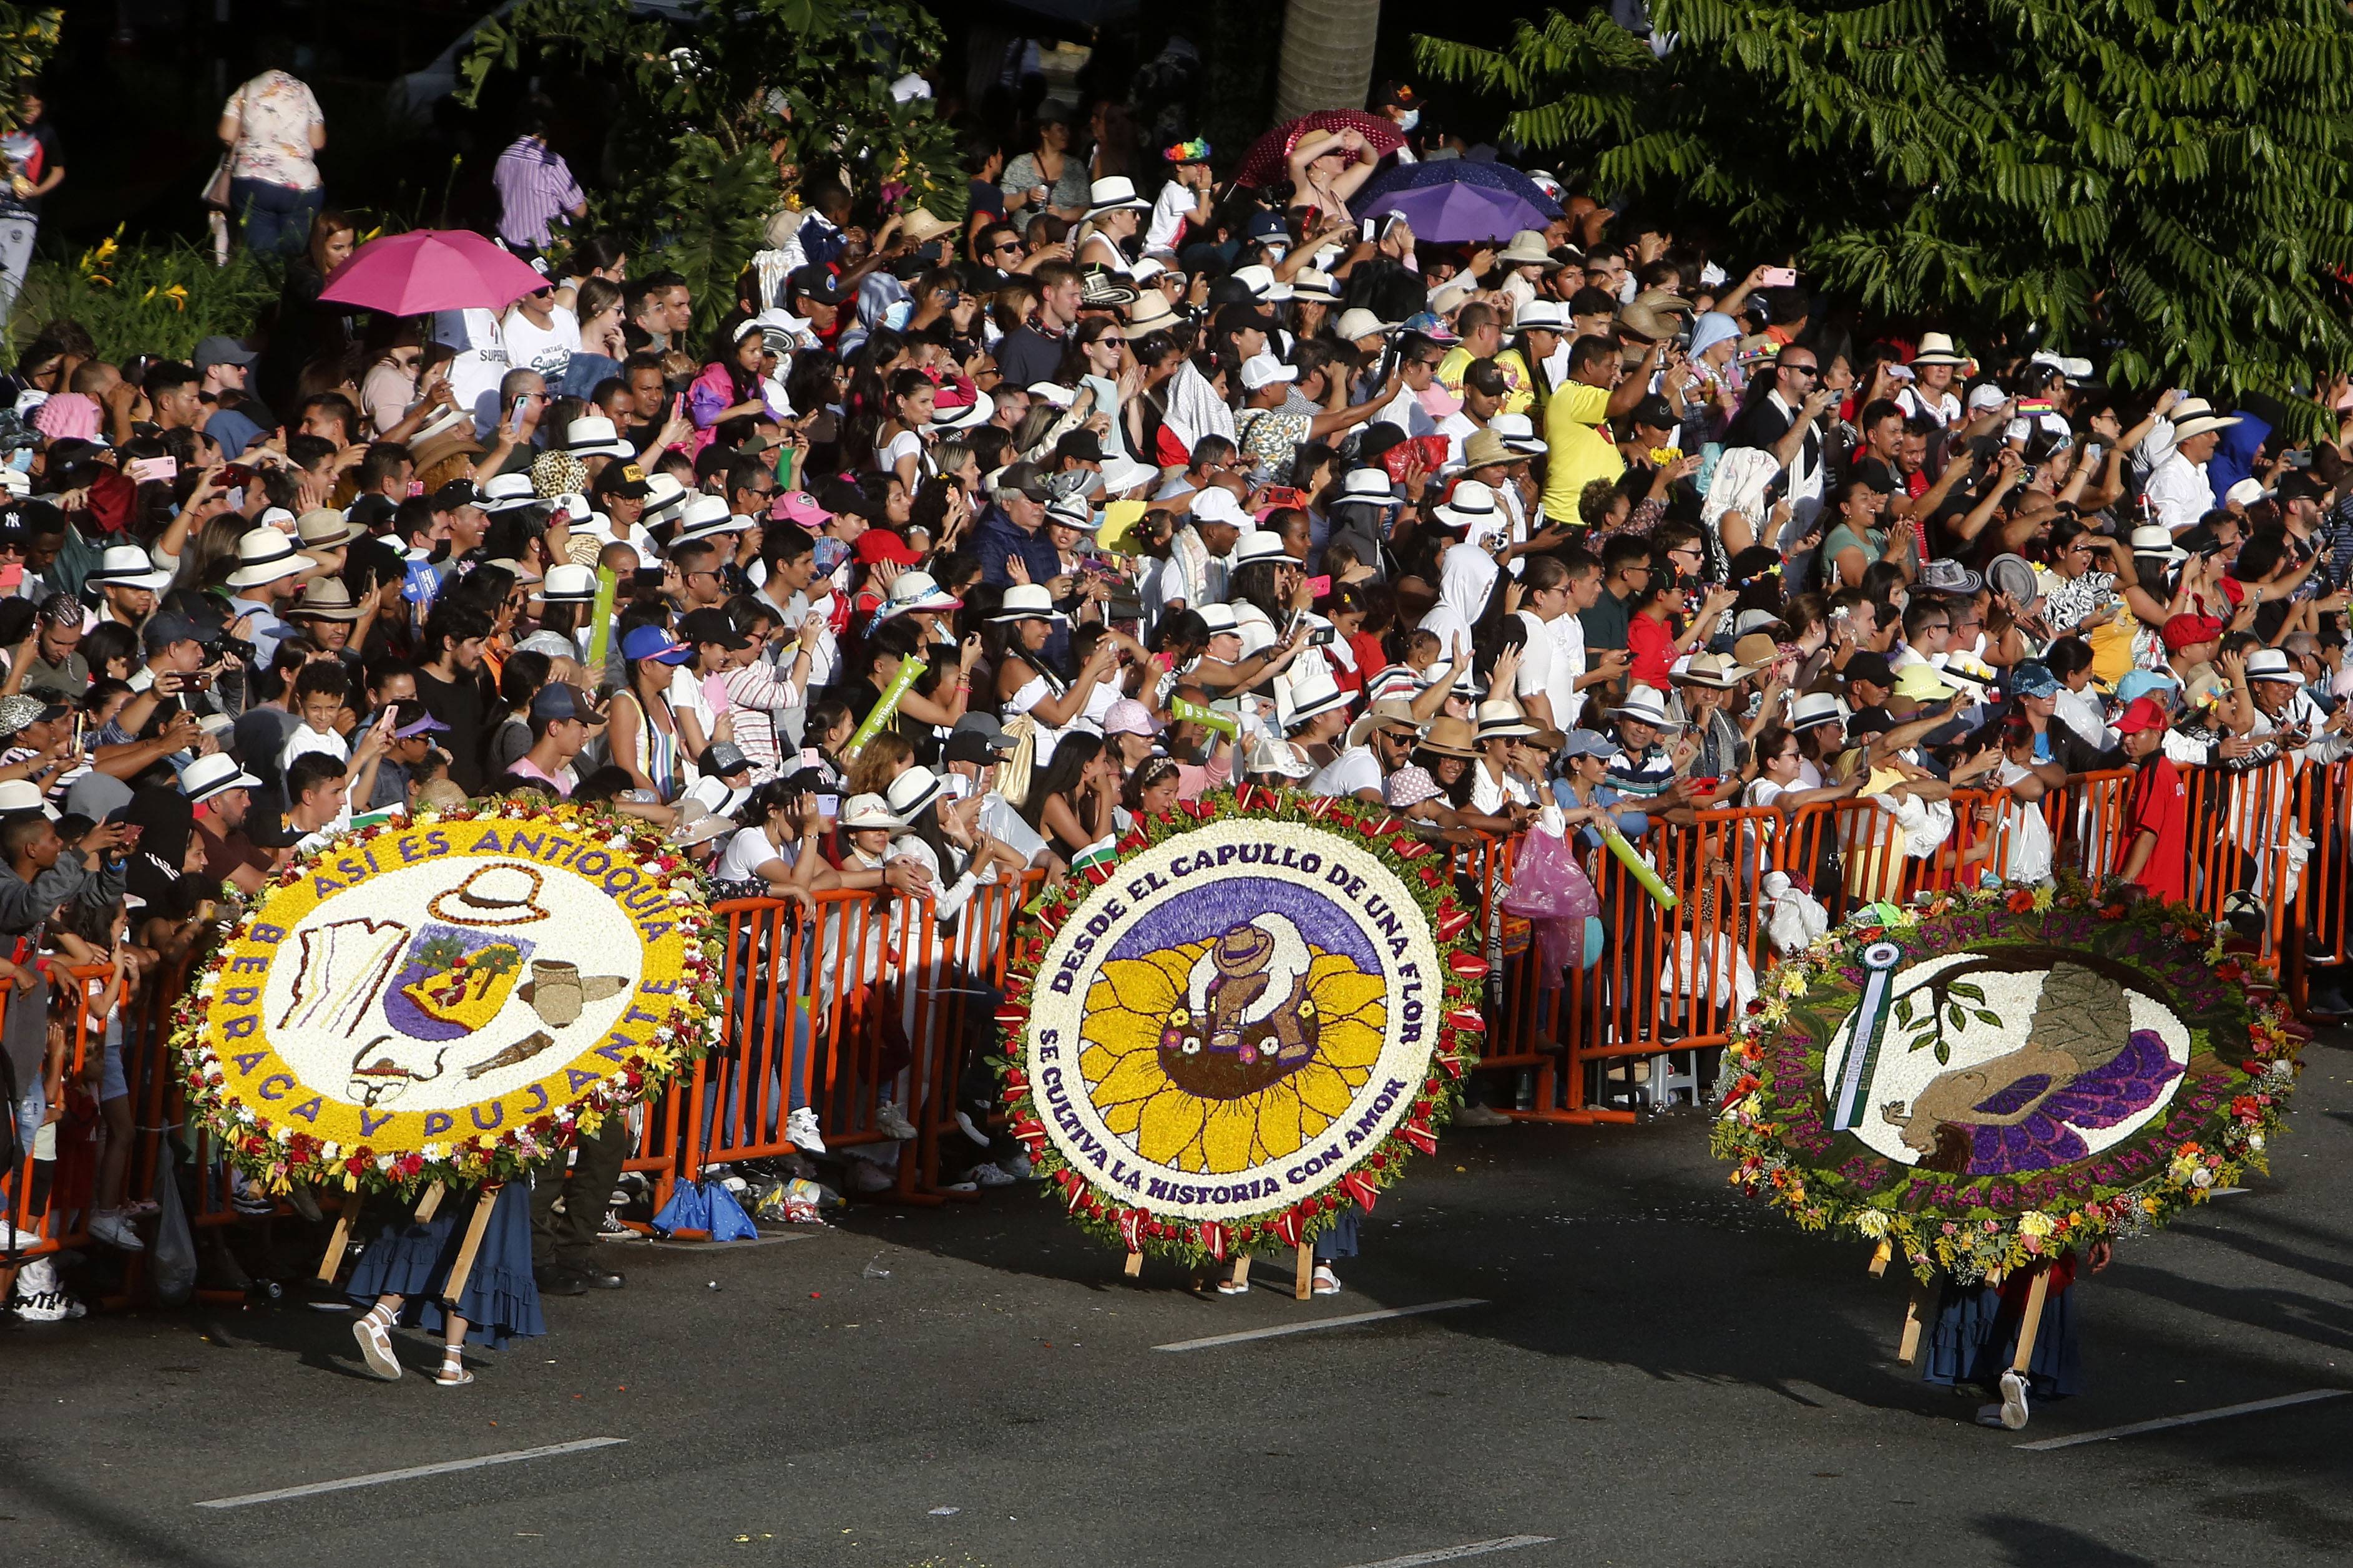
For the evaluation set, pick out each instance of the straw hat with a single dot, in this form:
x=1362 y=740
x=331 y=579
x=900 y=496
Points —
x=1709 y=670
x=921 y=227
x=2194 y=416
x=1387 y=711
x=1500 y=720
x=1646 y=707
x=1451 y=737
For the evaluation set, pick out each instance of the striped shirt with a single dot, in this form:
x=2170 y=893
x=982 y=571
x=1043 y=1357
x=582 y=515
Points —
x=1644 y=777
x=536 y=187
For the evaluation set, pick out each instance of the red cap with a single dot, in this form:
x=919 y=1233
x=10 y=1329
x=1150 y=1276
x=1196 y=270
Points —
x=2144 y=712
x=882 y=545
x=2182 y=631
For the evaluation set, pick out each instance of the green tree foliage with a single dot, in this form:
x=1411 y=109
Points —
x=28 y=37
x=2163 y=184
x=716 y=119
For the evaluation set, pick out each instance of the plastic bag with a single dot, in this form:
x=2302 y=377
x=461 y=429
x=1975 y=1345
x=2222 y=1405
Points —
x=171 y=1255
x=1551 y=891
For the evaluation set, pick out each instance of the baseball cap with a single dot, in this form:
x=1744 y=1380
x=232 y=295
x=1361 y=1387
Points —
x=723 y=757
x=1654 y=412
x=2184 y=631
x=459 y=493
x=557 y=700
x=711 y=625
x=1869 y=667
x=162 y=630
x=652 y=642
x=2142 y=713
x=984 y=725
x=815 y=281
x=218 y=350
x=2033 y=677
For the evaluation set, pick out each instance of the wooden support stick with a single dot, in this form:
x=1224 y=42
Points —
x=1915 y=1316
x=453 y=1289
x=2032 y=1322
x=1241 y=1269
x=427 y=1205
x=1879 y=1256
x=339 y=1243
x=1304 y=1282
x=1135 y=1266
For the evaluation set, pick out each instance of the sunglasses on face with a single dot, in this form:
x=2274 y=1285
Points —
x=1802 y=368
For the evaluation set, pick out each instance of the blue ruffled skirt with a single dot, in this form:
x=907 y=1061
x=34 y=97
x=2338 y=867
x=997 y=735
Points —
x=411 y=1260
x=1976 y=1335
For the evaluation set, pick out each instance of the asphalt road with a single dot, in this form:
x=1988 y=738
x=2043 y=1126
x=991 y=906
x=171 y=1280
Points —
x=1661 y=1373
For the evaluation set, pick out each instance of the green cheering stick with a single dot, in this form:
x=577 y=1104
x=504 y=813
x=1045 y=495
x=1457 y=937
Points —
x=910 y=671
x=1207 y=718
x=1879 y=962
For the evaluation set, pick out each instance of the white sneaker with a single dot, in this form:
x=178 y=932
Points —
x=800 y=1131
x=1480 y=1116
x=2013 y=1401
x=39 y=1298
x=989 y=1175
x=1017 y=1167
x=972 y=1129
x=109 y=1226
x=891 y=1123
x=11 y=1236
x=865 y=1176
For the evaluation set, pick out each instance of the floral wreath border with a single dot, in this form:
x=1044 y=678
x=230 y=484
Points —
x=1109 y=1215
x=1775 y=1138
x=277 y=1155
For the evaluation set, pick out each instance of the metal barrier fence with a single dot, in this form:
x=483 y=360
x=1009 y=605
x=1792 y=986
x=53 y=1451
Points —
x=856 y=1002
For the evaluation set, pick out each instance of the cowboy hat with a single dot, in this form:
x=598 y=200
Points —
x=1710 y=670
x=2194 y=416
x=325 y=599
x=1936 y=348
x=266 y=555
x=1380 y=715
x=1646 y=706
x=1500 y=720
x=324 y=527
x=1116 y=193
x=1451 y=737
x=913 y=790
x=1026 y=601
x=495 y=895
x=1313 y=694
x=869 y=811
x=1473 y=505
x=1151 y=309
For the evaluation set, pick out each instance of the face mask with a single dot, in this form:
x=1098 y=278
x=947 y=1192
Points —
x=21 y=459
x=895 y=316
x=1275 y=253
x=1408 y=119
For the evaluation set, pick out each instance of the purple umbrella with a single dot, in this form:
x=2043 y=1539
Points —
x=1456 y=214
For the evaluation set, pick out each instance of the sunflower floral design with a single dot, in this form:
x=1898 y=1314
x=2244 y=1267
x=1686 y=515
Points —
x=1168 y=1088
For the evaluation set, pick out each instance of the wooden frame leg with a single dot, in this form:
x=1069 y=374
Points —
x=1879 y=1256
x=2031 y=1322
x=453 y=1289
x=431 y=1204
x=339 y=1243
x=1907 y=1350
x=1134 y=1268
x=1241 y=1269
x=1303 y=1279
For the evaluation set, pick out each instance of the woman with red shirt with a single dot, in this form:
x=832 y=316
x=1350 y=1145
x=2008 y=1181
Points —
x=1652 y=641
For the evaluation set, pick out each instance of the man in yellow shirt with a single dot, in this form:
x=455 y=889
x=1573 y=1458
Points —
x=1576 y=413
x=1482 y=326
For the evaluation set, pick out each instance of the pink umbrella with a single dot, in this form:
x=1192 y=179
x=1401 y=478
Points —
x=431 y=269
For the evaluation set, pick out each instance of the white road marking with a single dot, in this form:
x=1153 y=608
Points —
x=445 y=1468
x=1469 y=1548
x=2308 y=1396
x=1310 y=1326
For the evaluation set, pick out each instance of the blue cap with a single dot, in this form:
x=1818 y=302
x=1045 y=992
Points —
x=652 y=642
x=1267 y=226
x=2033 y=677
x=2144 y=683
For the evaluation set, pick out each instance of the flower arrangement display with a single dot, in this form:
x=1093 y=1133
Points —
x=1251 y=1017
x=449 y=998
x=1982 y=1079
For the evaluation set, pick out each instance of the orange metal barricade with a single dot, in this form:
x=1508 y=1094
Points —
x=856 y=999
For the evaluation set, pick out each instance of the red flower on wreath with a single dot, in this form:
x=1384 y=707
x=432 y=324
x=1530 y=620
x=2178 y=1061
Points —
x=2020 y=900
